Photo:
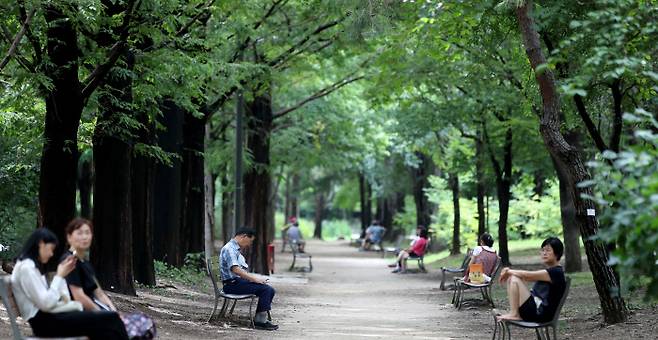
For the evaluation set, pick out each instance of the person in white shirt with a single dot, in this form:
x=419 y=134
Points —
x=48 y=308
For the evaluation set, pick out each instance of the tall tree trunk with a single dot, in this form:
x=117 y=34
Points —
x=572 y=262
x=388 y=209
x=612 y=304
x=420 y=178
x=319 y=214
x=192 y=225
x=209 y=206
x=453 y=182
x=85 y=180
x=366 y=208
x=294 y=195
x=64 y=104
x=143 y=195
x=271 y=210
x=503 y=184
x=143 y=191
x=504 y=195
x=112 y=251
x=257 y=180
x=379 y=208
x=227 y=205
x=168 y=191
x=479 y=174
x=287 y=196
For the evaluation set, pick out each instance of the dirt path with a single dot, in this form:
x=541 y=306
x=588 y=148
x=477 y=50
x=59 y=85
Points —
x=352 y=294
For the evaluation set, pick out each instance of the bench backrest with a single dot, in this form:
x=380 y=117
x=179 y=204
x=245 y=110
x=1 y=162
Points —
x=10 y=304
x=467 y=258
x=562 y=300
x=213 y=278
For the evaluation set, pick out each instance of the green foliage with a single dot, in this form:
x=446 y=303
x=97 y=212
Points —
x=406 y=220
x=627 y=184
x=530 y=217
x=189 y=274
x=20 y=149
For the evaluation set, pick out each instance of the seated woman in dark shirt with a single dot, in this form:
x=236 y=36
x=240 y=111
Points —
x=540 y=303
x=82 y=280
x=85 y=288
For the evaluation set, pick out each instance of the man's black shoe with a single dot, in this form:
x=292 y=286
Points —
x=268 y=326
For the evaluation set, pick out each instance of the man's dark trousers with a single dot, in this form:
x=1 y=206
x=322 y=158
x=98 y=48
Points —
x=241 y=286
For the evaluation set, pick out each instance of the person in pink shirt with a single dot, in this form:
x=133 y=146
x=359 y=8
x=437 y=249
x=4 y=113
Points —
x=417 y=249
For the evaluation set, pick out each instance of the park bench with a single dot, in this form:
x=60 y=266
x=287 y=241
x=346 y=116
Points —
x=460 y=270
x=228 y=298
x=420 y=259
x=302 y=255
x=12 y=311
x=538 y=327
x=462 y=286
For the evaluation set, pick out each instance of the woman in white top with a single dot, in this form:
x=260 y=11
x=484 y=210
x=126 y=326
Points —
x=49 y=309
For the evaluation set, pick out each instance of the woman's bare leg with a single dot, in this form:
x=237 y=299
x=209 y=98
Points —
x=403 y=260
x=517 y=293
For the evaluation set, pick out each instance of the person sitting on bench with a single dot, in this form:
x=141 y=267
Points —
x=374 y=234
x=236 y=279
x=295 y=236
x=485 y=255
x=48 y=308
x=540 y=303
x=417 y=250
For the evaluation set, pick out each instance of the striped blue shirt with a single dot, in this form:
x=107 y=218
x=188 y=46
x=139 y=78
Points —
x=230 y=256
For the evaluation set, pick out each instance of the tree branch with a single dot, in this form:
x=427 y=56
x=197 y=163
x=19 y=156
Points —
x=284 y=56
x=319 y=94
x=17 y=39
x=617 y=121
x=494 y=161
x=183 y=30
x=97 y=76
x=589 y=124
x=38 y=52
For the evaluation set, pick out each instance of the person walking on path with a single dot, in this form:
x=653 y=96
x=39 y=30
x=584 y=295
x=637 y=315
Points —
x=236 y=279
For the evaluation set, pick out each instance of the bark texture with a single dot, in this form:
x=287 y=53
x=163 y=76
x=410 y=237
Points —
x=612 y=304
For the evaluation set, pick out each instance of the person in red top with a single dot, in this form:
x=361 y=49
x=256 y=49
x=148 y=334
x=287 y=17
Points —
x=417 y=249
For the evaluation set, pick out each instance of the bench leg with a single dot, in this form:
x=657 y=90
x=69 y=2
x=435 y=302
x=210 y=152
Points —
x=222 y=312
x=214 y=309
x=251 y=316
x=488 y=291
x=310 y=265
x=443 y=280
x=294 y=258
x=233 y=307
x=495 y=330
x=539 y=336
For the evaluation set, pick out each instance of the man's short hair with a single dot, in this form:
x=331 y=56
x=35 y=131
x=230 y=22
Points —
x=556 y=244
x=250 y=232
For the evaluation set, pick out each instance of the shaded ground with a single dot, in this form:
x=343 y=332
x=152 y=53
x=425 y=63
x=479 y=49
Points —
x=352 y=295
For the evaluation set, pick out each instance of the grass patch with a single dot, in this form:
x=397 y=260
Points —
x=188 y=274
